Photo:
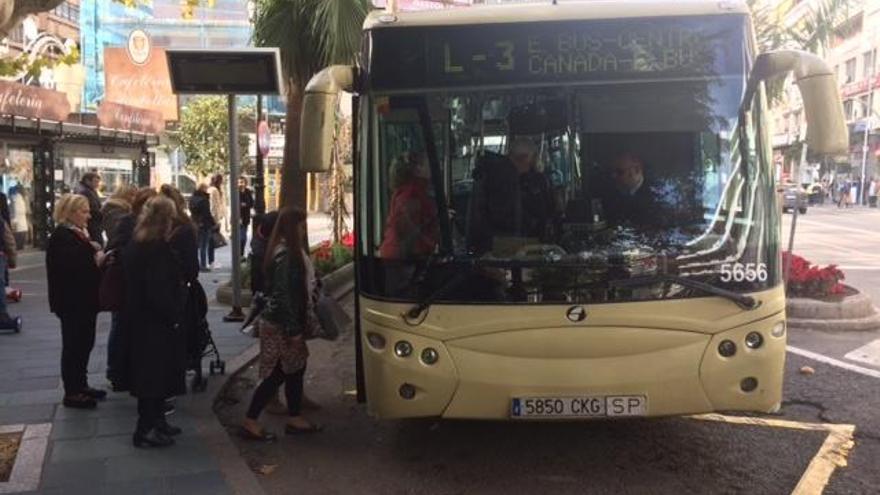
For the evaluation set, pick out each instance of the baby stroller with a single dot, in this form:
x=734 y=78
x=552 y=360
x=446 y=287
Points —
x=200 y=343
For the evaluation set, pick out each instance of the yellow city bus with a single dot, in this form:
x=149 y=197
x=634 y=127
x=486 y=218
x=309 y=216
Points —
x=567 y=211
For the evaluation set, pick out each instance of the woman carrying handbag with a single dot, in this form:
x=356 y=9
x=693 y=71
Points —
x=290 y=279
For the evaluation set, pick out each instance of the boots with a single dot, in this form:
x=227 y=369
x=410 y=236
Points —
x=151 y=438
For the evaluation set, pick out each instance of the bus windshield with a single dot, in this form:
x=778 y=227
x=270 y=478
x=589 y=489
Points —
x=554 y=193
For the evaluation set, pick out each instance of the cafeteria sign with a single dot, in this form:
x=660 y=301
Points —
x=138 y=75
x=33 y=102
x=128 y=118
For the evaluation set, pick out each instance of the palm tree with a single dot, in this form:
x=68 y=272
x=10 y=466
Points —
x=311 y=34
x=813 y=32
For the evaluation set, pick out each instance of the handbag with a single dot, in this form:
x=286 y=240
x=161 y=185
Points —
x=111 y=291
x=218 y=239
x=328 y=319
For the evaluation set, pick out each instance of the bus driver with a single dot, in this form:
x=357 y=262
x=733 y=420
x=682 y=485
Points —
x=629 y=199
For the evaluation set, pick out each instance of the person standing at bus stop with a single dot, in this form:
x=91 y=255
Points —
x=88 y=187
x=73 y=271
x=246 y=205
x=200 y=209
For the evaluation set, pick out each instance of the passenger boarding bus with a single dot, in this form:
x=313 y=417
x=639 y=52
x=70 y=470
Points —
x=567 y=211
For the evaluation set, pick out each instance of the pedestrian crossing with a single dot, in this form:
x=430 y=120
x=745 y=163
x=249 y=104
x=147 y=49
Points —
x=867 y=354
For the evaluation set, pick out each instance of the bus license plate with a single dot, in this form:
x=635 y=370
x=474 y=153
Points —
x=579 y=407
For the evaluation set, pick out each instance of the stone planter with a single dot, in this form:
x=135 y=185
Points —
x=336 y=284
x=853 y=313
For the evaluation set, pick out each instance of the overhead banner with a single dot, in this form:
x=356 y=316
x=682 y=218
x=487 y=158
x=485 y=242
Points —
x=129 y=118
x=139 y=81
x=33 y=102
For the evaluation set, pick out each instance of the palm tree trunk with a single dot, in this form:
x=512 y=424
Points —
x=293 y=180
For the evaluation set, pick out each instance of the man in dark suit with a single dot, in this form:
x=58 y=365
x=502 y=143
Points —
x=629 y=199
x=88 y=187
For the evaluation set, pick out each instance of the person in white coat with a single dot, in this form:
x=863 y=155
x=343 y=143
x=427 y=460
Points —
x=218 y=205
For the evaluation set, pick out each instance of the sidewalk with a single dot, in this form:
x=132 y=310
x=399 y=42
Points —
x=90 y=452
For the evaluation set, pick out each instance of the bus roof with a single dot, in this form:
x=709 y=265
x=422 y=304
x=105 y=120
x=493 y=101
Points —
x=591 y=9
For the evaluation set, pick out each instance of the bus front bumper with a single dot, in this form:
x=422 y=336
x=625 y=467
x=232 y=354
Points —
x=478 y=377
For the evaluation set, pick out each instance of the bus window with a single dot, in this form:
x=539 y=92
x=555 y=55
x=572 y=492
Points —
x=633 y=177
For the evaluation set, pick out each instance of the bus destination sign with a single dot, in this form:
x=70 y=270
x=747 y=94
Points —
x=504 y=54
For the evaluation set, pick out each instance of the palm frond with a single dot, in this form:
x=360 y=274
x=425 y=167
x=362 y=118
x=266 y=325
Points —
x=337 y=26
x=310 y=33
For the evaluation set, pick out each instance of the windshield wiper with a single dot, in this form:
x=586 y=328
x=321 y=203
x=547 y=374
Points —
x=741 y=300
x=413 y=314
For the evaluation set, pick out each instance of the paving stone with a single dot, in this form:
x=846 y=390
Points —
x=39 y=372
x=38 y=413
x=116 y=425
x=91 y=448
x=207 y=483
x=71 y=489
x=115 y=406
x=29 y=384
x=139 y=465
x=152 y=486
x=32 y=397
x=71 y=429
x=76 y=472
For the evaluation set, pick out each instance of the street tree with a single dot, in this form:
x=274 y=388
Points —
x=813 y=31
x=204 y=135
x=311 y=34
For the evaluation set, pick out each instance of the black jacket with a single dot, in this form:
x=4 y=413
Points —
x=121 y=236
x=72 y=274
x=246 y=203
x=96 y=232
x=184 y=244
x=200 y=210
x=155 y=303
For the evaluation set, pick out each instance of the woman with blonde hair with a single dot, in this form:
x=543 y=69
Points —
x=155 y=299
x=73 y=270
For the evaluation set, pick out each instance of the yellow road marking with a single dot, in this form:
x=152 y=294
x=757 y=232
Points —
x=832 y=454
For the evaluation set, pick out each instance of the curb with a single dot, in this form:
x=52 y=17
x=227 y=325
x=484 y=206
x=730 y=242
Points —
x=839 y=325
x=236 y=471
x=853 y=313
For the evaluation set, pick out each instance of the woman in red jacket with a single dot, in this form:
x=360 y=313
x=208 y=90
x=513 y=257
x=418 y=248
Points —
x=412 y=230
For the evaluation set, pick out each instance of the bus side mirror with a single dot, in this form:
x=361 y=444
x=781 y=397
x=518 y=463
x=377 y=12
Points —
x=319 y=116
x=826 y=127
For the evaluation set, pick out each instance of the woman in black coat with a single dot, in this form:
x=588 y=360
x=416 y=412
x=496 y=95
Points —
x=73 y=264
x=184 y=244
x=155 y=299
x=117 y=343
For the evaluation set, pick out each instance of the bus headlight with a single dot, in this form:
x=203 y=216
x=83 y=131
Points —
x=430 y=356
x=748 y=384
x=754 y=340
x=727 y=348
x=376 y=341
x=407 y=391
x=403 y=348
x=778 y=330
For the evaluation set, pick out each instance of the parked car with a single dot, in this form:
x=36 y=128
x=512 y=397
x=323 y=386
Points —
x=794 y=197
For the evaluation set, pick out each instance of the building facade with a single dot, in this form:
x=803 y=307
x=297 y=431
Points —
x=852 y=54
